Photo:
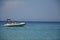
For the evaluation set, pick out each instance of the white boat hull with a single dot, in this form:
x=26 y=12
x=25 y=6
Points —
x=16 y=24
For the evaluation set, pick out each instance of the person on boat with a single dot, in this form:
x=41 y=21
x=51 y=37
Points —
x=14 y=22
x=9 y=21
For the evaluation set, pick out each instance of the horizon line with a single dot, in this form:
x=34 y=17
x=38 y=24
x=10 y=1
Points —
x=37 y=21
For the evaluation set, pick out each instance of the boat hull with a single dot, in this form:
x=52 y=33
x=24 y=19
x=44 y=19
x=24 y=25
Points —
x=15 y=25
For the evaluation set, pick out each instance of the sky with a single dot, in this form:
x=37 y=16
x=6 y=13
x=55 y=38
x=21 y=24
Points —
x=30 y=10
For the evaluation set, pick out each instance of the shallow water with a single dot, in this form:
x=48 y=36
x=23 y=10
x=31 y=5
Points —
x=31 y=31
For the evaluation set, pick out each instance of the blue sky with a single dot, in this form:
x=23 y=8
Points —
x=30 y=10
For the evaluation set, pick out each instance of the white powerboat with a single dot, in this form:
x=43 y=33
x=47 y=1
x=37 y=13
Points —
x=15 y=24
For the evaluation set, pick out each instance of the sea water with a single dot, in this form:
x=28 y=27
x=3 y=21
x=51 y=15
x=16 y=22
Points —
x=31 y=31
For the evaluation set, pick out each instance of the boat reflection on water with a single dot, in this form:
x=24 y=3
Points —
x=13 y=23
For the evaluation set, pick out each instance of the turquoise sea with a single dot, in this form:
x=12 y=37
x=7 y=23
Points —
x=33 y=30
